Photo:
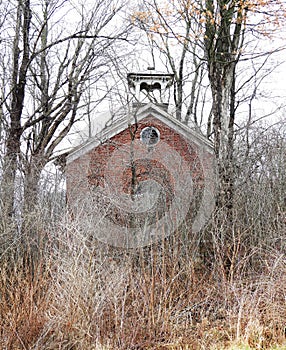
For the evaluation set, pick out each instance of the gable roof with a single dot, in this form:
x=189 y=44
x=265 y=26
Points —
x=142 y=112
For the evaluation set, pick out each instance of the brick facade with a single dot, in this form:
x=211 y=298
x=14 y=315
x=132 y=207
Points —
x=123 y=166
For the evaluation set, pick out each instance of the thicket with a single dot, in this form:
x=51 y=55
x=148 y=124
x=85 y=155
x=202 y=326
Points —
x=224 y=287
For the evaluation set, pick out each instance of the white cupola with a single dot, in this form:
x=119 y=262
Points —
x=150 y=86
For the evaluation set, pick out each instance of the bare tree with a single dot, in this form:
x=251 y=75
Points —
x=171 y=31
x=218 y=34
x=260 y=196
x=227 y=27
x=52 y=64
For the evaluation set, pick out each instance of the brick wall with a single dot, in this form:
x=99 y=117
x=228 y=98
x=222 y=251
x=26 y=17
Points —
x=110 y=164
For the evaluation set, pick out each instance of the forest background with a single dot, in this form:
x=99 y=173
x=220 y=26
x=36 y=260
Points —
x=63 y=62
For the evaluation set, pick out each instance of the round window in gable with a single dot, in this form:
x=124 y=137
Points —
x=150 y=136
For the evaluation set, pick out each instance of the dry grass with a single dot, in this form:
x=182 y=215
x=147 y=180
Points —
x=84 y=295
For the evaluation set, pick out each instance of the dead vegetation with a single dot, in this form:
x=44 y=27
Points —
x=85 y=295
x=224 y=288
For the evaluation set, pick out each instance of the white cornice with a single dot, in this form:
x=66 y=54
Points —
x=122 y=123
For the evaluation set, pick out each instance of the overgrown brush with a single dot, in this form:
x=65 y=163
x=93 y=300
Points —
x=81 y=294
x=224 y=288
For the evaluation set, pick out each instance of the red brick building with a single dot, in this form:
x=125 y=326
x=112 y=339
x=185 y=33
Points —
x=145 y=176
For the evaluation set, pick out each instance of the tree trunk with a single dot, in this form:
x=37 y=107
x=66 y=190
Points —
x=19 y=73
x=223 y=121
x=224 y=34
x=32 y=178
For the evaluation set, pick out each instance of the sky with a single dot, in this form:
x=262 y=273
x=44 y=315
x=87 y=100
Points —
x=272 y=85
